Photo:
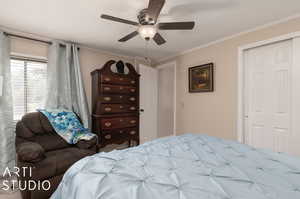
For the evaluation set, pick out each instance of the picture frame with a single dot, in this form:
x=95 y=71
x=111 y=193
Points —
x=201 y=78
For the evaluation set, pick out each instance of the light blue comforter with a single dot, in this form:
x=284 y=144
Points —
x=184 y=167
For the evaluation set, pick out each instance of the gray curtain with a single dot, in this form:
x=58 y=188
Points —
x=7 y=127
x=65 y=84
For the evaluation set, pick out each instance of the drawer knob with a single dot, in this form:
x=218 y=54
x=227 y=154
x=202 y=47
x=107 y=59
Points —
x=107 y=98
x=107 y=88
x=121 y=79
x=121 y=131
x=132 y=121
x=107 y=124
x=121 y=120
x=121 y=107
x=121 y=88
x=108 y=137
x=132 y=132
x=132 y=90
x=132 y=99
x=132 y=108
x=107 y=79
x=121 y=97
x=107 y=109
x=133 y=82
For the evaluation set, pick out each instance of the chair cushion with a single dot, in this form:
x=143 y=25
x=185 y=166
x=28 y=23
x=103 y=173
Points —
x=30 y=152
x=56 y=163
x=51 y=142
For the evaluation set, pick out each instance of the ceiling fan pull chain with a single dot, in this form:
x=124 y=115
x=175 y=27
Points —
x=147 y=49
x=147 y=52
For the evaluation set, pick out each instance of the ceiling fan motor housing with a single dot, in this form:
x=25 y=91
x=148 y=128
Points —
x=144 y=19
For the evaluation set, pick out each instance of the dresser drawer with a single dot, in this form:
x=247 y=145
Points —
x=117 y=134
x=117 y=108
x=106 y=79
x=120 y=122
x=106 y=88
x=118 y=99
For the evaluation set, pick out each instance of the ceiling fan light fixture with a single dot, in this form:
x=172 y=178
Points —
x=148 y=25
x=147 y=31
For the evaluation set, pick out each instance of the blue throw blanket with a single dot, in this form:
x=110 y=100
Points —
x=67 y=125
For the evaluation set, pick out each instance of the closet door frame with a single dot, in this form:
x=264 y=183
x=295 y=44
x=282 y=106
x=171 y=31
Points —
x=241 y=77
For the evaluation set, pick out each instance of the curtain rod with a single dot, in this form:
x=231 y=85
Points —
x=28 y=38
x=32 y=39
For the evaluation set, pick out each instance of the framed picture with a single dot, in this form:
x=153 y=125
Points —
x=201 y=78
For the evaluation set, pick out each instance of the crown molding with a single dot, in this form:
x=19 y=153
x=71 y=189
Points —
x=230 y=37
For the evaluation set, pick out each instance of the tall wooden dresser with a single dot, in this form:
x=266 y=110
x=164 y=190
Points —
x=115 y=101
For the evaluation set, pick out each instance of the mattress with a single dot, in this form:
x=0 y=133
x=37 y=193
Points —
x=190 y=166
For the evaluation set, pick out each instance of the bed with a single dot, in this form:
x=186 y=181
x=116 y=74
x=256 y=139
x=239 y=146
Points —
x=190 y=166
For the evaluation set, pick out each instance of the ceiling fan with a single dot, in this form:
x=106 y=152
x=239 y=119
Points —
x=147 y=25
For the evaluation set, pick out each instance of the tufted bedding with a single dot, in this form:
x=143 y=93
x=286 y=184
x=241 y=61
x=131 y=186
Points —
x=184 y=167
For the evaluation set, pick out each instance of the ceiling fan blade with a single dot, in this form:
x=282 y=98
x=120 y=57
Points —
x=154 y=8
x=116 y=19
x=159 y=40
x=130 y=36
x=177 y=26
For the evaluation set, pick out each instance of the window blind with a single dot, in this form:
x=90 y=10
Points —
x=29 y=84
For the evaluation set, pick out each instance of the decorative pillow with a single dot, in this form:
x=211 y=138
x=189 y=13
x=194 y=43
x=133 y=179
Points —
x=30 y=152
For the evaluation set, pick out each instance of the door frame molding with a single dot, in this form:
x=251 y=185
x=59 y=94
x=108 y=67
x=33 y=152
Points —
x=172 y=64
x=241 y=79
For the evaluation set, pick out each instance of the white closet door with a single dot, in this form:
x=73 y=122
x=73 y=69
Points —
x=268 y=96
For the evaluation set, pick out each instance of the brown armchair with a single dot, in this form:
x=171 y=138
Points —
x=43 y=150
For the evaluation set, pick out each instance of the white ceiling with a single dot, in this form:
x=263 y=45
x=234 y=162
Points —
x=79 y=21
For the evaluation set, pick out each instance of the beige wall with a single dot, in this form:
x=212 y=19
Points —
x=90 y=59
x=216 y=113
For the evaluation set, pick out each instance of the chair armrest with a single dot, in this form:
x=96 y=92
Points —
x=87 y=144
x=30 y=152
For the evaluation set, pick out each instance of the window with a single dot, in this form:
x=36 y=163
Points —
x=29 y=81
